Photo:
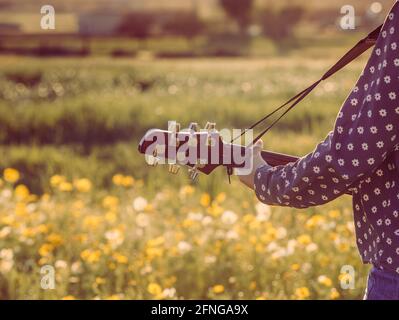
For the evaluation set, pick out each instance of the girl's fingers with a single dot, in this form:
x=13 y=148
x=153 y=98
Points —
x=258 y=146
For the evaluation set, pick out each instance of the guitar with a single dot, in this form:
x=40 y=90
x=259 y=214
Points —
x=201 y=150
x=204 y=151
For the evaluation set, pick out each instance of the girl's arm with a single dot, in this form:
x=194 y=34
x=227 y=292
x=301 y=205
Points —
x=365 y=132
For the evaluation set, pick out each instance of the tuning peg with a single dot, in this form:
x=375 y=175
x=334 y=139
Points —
x=210 y=126
x=193 y=173
x=193 y=127
x=174 y=126
x=174 y=168
x=151 y=160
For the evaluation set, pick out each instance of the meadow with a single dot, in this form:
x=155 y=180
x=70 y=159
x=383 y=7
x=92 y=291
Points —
x=76 y=195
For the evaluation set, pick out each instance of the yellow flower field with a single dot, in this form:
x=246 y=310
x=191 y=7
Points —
x=126 y=244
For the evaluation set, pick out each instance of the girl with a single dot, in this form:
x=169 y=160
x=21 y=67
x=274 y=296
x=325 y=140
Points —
x=360 y=155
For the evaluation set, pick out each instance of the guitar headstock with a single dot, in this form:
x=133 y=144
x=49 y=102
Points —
x=202 y=150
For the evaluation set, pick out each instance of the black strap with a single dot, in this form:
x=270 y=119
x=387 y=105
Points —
x=351 y=55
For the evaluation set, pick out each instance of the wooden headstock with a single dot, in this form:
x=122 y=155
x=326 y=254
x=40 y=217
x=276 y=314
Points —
x=201 y=150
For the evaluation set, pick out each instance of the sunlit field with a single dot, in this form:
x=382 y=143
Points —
x=75 y=193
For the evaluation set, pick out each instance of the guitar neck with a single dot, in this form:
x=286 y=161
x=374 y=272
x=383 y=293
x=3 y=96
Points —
x=277 y=159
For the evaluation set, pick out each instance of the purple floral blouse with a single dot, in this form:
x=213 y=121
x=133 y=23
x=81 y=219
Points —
x=361 y=155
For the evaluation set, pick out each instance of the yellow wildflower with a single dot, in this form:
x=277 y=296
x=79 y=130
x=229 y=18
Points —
x=186 y=190
x=218 y=288
x=345 y=277
x=65 y=186
x=295 y=266
x=324 y=280
x=304 y=239
x=55 y=239
x=8 y=220
x=21 y=191
x=127 y=181
x=90 y=256
x=56 y=180
x=110 y=202
x=248 y=218
x=205 y=200
x=100 y=280
x=187 y=223
x=69 y=297
x=154 y=289
x=114 y=297
x=111 y=266
x=106 y=248
x=83 y=185
x=120 y=258
x=29 y=232
x=315 y=221
x=302 y=293
x=156 y=241
x=11 y=175
x=117 y=179
x=334 y=294
x=343 y=247
x=81 y=238
x=91 y=222
x=324 y=260
x=20 y=210
x=334 y=214
x=153 y=253
x=215 y=210
x=221 y=197
x=111 y=216
x=46 y=249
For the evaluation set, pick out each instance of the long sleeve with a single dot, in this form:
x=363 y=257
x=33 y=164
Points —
x=364 y=134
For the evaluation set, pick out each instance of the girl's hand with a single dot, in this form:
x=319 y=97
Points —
x=255 y=152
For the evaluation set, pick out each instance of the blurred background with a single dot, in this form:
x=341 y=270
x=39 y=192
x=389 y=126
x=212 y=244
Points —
x=75 y=193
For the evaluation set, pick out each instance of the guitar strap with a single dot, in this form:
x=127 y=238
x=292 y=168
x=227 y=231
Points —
x=351 y=55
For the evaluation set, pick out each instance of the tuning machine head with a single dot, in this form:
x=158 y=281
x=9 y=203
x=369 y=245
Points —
x=174 y=168
x=193 y=127
x=174 y=126
x=210 y=126
x=151 y=160
x=193 y=173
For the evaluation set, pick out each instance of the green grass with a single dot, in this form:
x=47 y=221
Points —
x=83 y=118
x=96 y=109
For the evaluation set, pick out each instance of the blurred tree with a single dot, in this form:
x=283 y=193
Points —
x=239 y=10
x=136 y=25
x=279 y=25
x=186 y=24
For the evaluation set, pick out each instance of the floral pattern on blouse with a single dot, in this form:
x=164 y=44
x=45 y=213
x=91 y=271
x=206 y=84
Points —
x=361 y=155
